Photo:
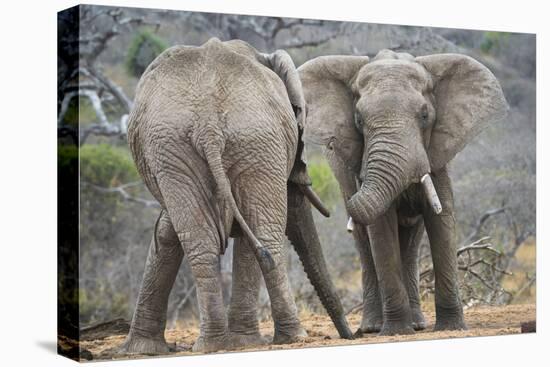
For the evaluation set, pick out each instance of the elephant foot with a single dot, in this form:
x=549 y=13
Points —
x=418 y=320
x=449 y=318
x=229 y=341
x=141 y=345
x=396 y=328
x=450 y=323
x=371 y=322
x=368 y=328
x=289 y=337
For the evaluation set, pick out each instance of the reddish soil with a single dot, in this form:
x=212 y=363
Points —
x=482 y=321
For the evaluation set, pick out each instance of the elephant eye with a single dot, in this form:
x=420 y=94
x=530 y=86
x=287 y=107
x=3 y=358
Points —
x=358 y=121
x=424 y=114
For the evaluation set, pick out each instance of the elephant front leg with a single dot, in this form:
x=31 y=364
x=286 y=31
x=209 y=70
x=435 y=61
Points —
x=409 y=240
x=146 y=334
x=372 y=319
x=383 y=235
x=243 y=307
x=441 y=234
x=372 y=305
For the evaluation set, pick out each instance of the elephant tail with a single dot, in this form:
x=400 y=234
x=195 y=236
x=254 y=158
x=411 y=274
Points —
x=213 y=158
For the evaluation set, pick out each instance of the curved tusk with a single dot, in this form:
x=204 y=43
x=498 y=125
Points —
x=431 y=194
x=350 y=227
x=314 y=199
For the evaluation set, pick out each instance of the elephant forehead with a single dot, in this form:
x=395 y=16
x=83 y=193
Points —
x=392 y=73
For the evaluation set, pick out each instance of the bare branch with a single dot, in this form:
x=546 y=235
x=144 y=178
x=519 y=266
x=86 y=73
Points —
x=104 y=127
x=527 y=285
x=481 y=244
x=114 y=89
x=188 y=293
x=355 y=308
x=121 y=190
x=481 y=222
x=488 y=273
x=95 y=42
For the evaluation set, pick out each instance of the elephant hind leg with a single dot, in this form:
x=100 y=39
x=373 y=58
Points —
x=146 y=334
x=262 y=198
x=243 y=307
x=196 y=229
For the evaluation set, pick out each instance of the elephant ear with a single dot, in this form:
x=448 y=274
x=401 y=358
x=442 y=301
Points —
x=468 y=97
x=327 y=83
x=281 y=63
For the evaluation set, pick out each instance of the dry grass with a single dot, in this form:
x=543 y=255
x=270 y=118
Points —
x=523 y=268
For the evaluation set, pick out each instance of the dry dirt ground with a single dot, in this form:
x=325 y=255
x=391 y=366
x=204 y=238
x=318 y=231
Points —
x=482 y=321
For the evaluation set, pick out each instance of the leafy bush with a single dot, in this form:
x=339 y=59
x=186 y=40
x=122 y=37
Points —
x=493 y=41
x=324 y=182
x=79 y=112
x=113 y=234
x=102 y=300
x=106 y=165
x=67 y=159
x=143 y=49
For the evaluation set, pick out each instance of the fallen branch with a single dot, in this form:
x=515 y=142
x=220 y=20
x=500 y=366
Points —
x=105 y=329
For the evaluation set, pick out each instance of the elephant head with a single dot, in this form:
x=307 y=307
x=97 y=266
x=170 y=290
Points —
x=397 y=118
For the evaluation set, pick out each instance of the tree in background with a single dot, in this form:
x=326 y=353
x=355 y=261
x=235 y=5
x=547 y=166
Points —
x=145 y=47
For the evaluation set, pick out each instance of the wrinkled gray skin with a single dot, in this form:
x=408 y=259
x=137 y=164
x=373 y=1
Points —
x=385 y=124
x=215 y=134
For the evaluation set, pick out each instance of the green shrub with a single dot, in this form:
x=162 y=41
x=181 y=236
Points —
x=67 y=158
x=324 y=182
x=493 y=41
x=143 y=49
x=79 y=112
x=106 y=165
x=101 y=300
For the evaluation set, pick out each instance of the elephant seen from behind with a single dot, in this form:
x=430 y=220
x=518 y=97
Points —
x=216 y=135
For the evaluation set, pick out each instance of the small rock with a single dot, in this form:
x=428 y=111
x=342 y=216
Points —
x=529 y=327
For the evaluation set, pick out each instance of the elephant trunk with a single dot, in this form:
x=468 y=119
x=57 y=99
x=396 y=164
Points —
x=302 y=234
x=389 y=167
x=385 y=174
